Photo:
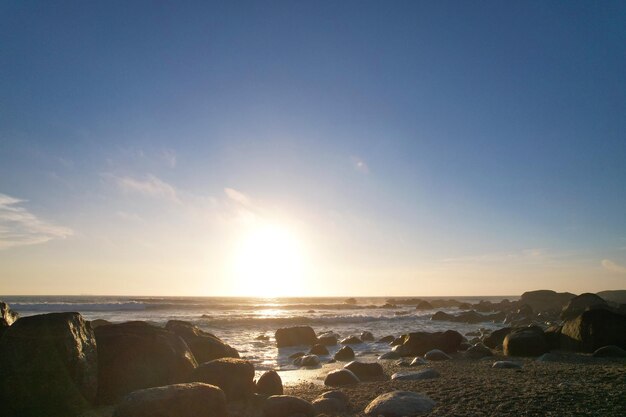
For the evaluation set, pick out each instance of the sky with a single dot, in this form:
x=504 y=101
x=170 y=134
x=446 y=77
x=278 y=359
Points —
x=312 y=148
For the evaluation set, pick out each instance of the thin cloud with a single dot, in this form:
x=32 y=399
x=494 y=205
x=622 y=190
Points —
x=359 y=164
x=611 y=266
x=151 y=186
x=237 y=196
x=19 y=227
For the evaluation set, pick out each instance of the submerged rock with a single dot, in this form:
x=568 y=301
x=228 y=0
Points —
x=180 y=400
x=205 y=346
x=398 y=404
x=48 y=366
x=269 y=383
x=234 y=376
x=137 y=355
x=294 y=336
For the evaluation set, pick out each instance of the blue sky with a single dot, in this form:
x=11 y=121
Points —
x=426 y=148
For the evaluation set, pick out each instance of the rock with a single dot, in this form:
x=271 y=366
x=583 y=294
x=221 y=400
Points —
x=99 y=322
x=48 y=366
x=418 y=343
x=471 y=317
x=318 y=349
x=351 y=301
x=577 y=305
x=331 y=406
x=495 y=339
x=365 y=370
x=295 y=336
x=297 y=355
x=234 y=376
x=545 y=300
x=136 y=355
x=7 y=316
x=424 y=305
x=614 y=296
x=287 y=406
x=204 y=346
x=610 y=351
x=344 y=354
x=307 y=360
x=553 y=337
x=442 y=316
x=352 y=340
x=341 y=377
x=398 y=341
x=262 y=337
x=436 y=355
x=551 y=357
x=525 y=310
x=367 y=337
x=473 y=334
x=389 y=355
x=417 y=361
x=327 y=340
x=525 y=341
x=416 y=376
x=199 y=400
x=338 y=395
x=386 y=339
x=478 y=351
x=506 y=365
x=402 y=362
x=399 y=404
x=594 y=329
x=269 y=383
x=464 y=346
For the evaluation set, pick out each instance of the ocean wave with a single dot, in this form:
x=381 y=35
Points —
x=79 y=307
x=248 y=321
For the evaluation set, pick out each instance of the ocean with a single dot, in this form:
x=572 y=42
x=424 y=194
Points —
x=240 y=321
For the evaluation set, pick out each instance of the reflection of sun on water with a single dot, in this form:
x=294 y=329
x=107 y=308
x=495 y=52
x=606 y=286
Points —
x=269 y=262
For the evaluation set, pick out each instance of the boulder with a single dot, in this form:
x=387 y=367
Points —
x=137 y=355
x=417 y=361
x=48 y=366
x=287 y=406
x=577 y=305
x=594 y=329
x=389 y=355
x=296 y=355
x=367 y=336
x=495 y=339
x=365 y=370
x=269 y=383
x=318 y=349
x=234 y=376
x=553 y=337
x=386 y=339
x=351 y=340
x=204 y=346
x=344 y=354
x=436 y=355
x=506 y=365
x=295 y=336
x=478 y=351
x=417 y=344
x=610 y=351
x=307 y=360
x=331 y=403
x=416 y=376
x=398 y=340
x=525 y=341
x=7 y=316
x=470 y=317
x=399 y=404
x=341 y=377
x=545 y=300
x=327 y=340
x=179 y=400
x=424 y=305
x=99 y=322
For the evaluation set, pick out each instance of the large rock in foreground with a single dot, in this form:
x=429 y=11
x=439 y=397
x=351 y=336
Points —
x=580 y=303
x=269 y=383
x=525 y=341
x=594 y=329
x=234 y=376
x=417 y=344
x=179 y=400
x=295 y=336
x=545 y=300
x=48 y=366
x=136 y=355
x=399 y=404
x=204 y=346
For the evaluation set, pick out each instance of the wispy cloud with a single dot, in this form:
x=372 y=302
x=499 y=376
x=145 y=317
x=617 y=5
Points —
x=237 y=196
x=609 y=265
x=19 y=227
x=359 y=164
x=150 y=186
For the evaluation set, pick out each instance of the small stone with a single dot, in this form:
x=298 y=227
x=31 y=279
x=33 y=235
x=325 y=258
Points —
x=506 y=365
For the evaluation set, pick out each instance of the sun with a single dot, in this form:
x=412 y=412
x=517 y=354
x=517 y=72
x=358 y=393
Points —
x=269 y=262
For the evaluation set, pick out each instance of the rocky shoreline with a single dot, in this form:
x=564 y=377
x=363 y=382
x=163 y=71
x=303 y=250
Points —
x=556 y=354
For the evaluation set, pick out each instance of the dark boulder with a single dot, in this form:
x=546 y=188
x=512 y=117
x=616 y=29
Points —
x=386 y=339
x=344 y=354
x=204 y=346
x=329 y=339
x=287 y=406
x=341 y=377
x=545 y=300
x=365 y=370
x=580 y=303
x=418 y=343
x=99 y=322
x=495 y=339
x=307 y=360
x=269 y=383
x=179 y=400
x=478 y=351
x=318 y=349
x=525 y=341
x=137 y=355
x=234 y=376
x=295 y=336
x=48 y=366
x=424 y=305
x=553 y=337
x=367 y=336
x=594 y=329
x=610 y=351
x=398 y=404
x=351 y=340
x=436 y=355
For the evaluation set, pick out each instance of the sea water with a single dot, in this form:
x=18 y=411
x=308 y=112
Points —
x=241 y=322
